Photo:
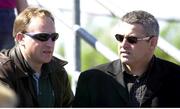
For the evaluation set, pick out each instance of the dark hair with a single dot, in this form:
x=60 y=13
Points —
x=147 y=20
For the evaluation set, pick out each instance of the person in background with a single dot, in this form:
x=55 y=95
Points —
x=38 y=78
x=7 y=16
x=138 y=78
x=8 y=97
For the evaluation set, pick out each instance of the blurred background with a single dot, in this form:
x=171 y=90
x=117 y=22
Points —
x=87 y=29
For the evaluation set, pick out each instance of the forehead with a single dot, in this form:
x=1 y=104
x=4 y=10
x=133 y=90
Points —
x=41 y=24
x=126 y=28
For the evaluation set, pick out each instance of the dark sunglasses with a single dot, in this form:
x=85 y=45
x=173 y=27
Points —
x=43 y=36
x=131 y=39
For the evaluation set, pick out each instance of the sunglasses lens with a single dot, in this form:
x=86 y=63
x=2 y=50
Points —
x=41 y=36
x=132 y=40
x=54 y=36
x=119 y=37
x=44 y=36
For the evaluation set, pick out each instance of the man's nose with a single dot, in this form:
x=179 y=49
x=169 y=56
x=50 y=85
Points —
x=49 y=42
x=124 y=43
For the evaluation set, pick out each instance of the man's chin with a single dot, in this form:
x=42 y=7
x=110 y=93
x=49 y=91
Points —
x=125 y=61
x=46 y=60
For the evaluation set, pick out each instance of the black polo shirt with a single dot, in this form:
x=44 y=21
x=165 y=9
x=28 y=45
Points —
x=136 y=86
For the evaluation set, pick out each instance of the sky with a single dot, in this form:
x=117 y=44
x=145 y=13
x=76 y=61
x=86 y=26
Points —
x=159 y=8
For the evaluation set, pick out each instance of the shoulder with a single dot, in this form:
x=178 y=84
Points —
x=6 y=66
x=58 y=61
x=3 y=58
x=168 y=70
x=110 y=68
x=166 y=65
x=5 y=61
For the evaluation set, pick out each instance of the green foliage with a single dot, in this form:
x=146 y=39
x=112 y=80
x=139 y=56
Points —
x=89 y=56
x=165 y=56
x=171 y=33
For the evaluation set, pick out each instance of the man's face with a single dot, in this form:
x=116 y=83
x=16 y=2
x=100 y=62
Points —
x=134 y=53
x=35 y=50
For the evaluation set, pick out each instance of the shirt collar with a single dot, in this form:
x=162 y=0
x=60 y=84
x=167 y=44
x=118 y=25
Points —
x=144 y=75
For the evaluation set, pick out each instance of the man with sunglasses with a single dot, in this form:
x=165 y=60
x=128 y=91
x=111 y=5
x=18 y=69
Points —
x=30 y=69
x=138 y=78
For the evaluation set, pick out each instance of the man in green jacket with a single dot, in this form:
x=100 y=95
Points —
x=38 y=78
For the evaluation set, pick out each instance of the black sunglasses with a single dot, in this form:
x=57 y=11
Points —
x=43 y=36
x=131 y=39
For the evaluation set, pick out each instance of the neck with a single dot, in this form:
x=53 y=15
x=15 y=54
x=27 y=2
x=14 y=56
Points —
x=138 y=68
x=34 y=66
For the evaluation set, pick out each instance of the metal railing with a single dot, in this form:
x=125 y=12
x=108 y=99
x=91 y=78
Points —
x=91 y=40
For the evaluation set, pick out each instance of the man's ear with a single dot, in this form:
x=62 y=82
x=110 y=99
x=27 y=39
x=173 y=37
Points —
x=19 y=37
x=153 y=42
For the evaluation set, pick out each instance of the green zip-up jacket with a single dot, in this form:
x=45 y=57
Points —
x=15 y=74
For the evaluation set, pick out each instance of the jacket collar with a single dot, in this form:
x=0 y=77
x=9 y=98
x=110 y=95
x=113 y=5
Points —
x=154 y=80
x=115 y=70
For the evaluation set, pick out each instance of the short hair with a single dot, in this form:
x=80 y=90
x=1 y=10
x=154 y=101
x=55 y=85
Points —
x=23 y=19
x=147 y=20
